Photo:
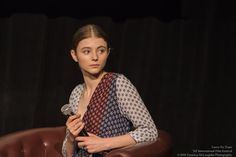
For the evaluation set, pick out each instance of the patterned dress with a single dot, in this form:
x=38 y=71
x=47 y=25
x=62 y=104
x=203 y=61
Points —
x=115 y=108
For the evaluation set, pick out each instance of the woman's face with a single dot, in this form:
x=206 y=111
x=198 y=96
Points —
x=91 y=55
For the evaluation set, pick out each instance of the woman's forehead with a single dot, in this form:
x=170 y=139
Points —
x=92 y=41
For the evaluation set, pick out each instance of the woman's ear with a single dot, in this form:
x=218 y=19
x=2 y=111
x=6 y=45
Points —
x=73 y=55
x=109 y=51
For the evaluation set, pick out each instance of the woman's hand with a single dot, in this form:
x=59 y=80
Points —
x=74 y=124
x=92 y=143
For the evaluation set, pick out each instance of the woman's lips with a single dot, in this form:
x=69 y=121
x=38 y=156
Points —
x=94 y=65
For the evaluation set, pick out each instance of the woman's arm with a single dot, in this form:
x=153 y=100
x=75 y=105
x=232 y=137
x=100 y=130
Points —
x=132 y=106
x=68 y=145
x=94 y=144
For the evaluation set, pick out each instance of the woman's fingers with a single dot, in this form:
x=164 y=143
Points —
x=92 y=143
x=81 y=144
x=74 y=124
x=91 y=134
x=75 y=130
x=72 y=118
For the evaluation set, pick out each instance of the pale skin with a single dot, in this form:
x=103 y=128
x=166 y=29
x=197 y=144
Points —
x=91 y=54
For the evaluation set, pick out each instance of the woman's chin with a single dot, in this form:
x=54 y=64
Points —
x=94 y=72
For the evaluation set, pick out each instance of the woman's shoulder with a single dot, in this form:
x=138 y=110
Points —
x=121 y=77
x=118 y=75
x=78 y=88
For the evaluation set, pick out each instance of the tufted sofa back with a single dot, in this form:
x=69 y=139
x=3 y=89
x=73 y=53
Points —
x=39 y=142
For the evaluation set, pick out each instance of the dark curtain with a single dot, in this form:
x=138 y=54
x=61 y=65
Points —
x=183 y=69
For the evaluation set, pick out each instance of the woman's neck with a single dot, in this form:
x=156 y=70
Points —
x=91 y=82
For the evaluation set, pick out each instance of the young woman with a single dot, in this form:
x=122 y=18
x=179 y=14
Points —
x=107 y=105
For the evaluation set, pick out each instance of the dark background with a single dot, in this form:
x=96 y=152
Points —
x=118 y=10
x=179 y=54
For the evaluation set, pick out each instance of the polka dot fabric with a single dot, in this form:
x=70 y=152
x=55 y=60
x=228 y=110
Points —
x=103 y=116
x=115 y=109
x=133 y=108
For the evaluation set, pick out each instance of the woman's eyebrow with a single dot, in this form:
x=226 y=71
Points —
x=101 y=46
x=86 y=48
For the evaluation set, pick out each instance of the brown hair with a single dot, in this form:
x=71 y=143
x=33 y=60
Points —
x=88 y=31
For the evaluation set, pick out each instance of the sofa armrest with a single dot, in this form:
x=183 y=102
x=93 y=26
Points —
x=38 y=142
x=162 y=147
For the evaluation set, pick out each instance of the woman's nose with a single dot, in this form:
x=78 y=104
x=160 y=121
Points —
x=94 y=56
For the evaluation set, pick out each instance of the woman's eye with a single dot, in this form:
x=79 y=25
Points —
x=86 y=51
x=102 y=50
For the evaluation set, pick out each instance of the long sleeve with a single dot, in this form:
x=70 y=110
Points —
x=64 y=144
x=134 y=109
x=73 y=100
